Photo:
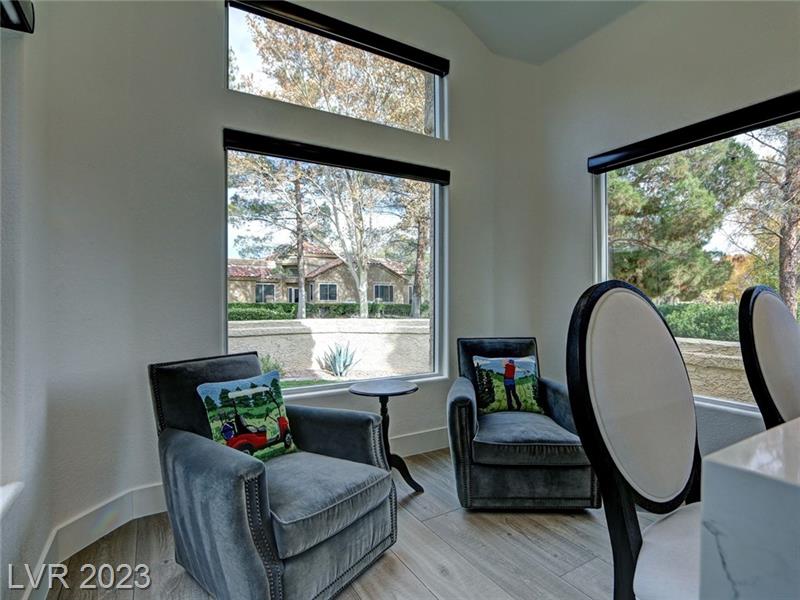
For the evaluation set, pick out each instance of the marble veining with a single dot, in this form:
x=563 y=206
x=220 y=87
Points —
x=750 y=538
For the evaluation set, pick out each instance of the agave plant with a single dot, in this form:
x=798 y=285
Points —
x=338 y=359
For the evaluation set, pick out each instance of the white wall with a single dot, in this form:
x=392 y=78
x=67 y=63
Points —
x=23 y=300
x=119 y=228
x=659 y=67
x=113 y=230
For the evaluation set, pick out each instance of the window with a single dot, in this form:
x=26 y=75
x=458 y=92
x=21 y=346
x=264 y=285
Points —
x=286 y=52
x=327 y=292
x=696 y=216
x=265 y=292
x=384 y=292
x=409 y=294
x=299 y=214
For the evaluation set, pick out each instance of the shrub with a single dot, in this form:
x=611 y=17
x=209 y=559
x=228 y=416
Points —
x=270 y=363
x=261 y=312
x=240 y=311
x=338 y=359
x=705 y=321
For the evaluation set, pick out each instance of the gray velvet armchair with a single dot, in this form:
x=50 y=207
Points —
x=515 y=460
x=300 y=526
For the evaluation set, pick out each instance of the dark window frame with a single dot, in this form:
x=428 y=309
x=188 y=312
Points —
x=263 y=296
x=340 y=31
x=243 y=141
x=327 y=287
x=756 y=116
x=390 y=286
x=21 y=18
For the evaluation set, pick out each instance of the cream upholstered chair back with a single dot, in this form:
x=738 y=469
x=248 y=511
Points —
x=770 y=340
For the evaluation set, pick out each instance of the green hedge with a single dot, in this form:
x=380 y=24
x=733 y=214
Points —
x=705 y=321
x=329 y=310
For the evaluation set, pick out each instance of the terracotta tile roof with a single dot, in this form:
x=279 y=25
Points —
x=242 y=268
x=289 y=251
x=324 y=268
x=391 y=265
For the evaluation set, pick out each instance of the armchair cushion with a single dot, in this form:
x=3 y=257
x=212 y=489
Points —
x=525 y=439
x=313 y=497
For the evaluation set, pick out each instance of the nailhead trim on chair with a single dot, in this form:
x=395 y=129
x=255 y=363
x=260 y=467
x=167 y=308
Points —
x=465 y=471
x=378 y=458
x=271 y=562
x=162 y=421
x=370 y=557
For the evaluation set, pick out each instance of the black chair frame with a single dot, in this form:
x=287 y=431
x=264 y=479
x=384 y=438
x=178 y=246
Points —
x=619 y=497
x=752 y=366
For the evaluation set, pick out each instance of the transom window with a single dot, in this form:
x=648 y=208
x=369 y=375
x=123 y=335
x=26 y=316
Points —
x=265 y=292
x=327 y=292
x=286 y=52
x=384 y=292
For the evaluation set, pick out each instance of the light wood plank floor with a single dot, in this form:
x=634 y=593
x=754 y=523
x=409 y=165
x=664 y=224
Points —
x=442 y=552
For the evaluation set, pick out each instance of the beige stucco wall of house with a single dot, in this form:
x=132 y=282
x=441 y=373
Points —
x=345 y=287
x=383 y=347
x=380 y=274
x=243 y=290
x=716 y=369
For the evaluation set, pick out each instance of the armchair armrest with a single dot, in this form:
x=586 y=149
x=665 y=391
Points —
x=555 y=402
x=348 y=434
x=462 y=417
x=219 y=511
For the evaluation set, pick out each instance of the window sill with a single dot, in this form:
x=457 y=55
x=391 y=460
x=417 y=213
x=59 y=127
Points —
x=733 y=405
x=335 y=389
x=8 y=493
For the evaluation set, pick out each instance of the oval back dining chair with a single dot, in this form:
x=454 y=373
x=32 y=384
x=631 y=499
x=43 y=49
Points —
x=770 y=340
x=634 y=411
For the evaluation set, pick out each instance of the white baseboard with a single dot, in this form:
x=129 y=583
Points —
x=419 y=441
x=92 y=524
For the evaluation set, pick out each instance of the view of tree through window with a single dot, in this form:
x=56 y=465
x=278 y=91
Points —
x=696 y=228
x=270 y=59
x=358 y=242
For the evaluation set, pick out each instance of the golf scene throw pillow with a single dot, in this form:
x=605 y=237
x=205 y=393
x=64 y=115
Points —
x=507 y=384
x=249 y=415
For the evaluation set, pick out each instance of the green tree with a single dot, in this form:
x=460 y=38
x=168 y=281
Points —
x=334 y=208
x=770 y=215
x=663 y=213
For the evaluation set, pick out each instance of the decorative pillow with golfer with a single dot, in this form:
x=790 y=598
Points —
x=249 y=415
x=507 y=384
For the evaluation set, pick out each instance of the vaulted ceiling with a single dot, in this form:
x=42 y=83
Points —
x=535 y=31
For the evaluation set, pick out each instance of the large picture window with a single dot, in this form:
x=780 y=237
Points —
x=286 y=52
x=695 y=227
x=357 y=228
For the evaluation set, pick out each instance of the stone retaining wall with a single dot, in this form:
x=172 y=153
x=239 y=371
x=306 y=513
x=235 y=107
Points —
x=716 y=369
x=386 y=347
x=382 y=347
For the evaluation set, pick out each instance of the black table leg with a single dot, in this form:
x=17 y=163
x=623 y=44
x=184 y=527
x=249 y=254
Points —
x=394 y=460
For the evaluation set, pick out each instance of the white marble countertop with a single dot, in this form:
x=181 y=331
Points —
x=773 y=453
x=750 y=538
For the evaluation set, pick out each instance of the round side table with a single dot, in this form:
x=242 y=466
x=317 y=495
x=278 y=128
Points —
x=383 y=389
